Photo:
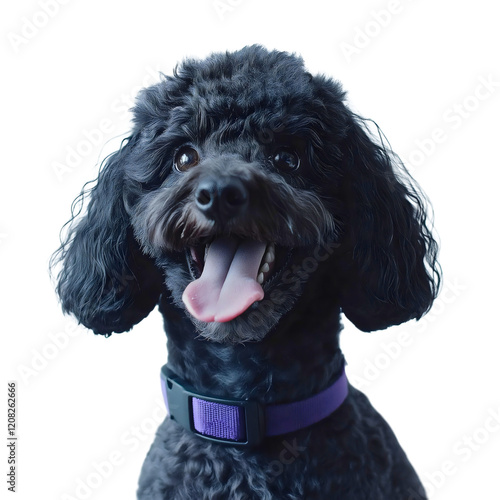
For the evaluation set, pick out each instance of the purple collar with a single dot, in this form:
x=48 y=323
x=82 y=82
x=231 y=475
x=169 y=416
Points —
x=242 y=422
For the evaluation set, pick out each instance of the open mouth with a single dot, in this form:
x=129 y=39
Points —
x=198 y=256
x=229 y=274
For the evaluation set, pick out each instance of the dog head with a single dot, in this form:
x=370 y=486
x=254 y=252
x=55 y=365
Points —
x=239 y=169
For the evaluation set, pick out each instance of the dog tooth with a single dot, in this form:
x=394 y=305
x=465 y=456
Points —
x=260 y=278
x=269 y=257
x=264 y=268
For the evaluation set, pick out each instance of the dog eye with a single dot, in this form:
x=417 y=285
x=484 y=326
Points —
x=286 y=159
x=185 y=158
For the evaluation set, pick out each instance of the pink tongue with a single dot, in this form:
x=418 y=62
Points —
x=227 y=286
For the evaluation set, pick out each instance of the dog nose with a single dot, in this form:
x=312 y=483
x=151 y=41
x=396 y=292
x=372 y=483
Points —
x=221 y=198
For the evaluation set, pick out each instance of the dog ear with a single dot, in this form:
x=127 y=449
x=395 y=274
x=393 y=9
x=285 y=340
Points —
x=106 y=281
x=389 y=274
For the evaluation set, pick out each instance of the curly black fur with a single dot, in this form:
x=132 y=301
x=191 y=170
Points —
x=351 y=234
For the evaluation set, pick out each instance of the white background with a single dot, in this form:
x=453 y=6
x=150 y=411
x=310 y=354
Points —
x=89 y=406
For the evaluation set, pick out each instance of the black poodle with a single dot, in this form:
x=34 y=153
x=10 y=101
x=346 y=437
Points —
x=254 y=207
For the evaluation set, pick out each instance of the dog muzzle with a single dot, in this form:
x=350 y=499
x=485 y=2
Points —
x=245 y=423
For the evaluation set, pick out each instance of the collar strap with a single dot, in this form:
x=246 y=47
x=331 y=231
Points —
x=243 y=422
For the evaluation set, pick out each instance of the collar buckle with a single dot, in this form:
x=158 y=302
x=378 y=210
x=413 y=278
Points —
x=226 y=421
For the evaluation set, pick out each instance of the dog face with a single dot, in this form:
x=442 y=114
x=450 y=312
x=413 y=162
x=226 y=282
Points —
x=239 y=169
x=236 y=191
